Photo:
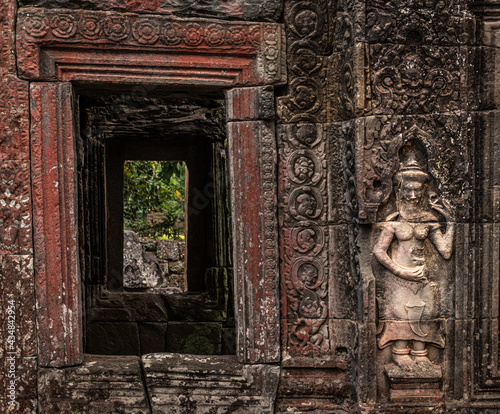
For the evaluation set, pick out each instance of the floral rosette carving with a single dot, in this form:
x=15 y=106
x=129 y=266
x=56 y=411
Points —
x=116 y=28
x=90 y=27
x=194 y=34
x=305 y=135
x=215 y=35
x=146 y=31
x=63 y=26
x=172 y=33
x=254 y=36
x=237 y=35
x=304 y=168
x=37 y=26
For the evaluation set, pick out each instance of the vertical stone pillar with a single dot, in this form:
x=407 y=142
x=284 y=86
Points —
x=252 y=158
x=54 y=211
x=18 y=350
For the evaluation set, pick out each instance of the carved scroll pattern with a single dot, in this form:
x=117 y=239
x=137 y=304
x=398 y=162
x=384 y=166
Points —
x=407 y=25
x=309 y=32
x=302 y=175
x=444 y=136
x=408 y=79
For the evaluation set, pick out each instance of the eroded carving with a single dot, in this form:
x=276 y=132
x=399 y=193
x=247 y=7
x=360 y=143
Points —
x=307 y=291
x=408 y=292
x=406 y=79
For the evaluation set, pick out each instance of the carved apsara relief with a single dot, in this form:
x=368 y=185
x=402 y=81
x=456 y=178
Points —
x=408 y=294
x=445 y=138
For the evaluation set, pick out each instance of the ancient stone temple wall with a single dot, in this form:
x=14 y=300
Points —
x=363 y=155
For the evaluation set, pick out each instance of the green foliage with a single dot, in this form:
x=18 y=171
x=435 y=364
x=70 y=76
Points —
x=154 y=187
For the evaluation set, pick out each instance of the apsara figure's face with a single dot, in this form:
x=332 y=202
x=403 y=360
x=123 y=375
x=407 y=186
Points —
x=412 y=191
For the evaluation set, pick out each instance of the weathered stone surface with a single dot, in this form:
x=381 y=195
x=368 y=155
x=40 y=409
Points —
x=168 y=249
x=15 y=214
x=18 y=384
x=14 y=118
x=487 y=125
x=246 y=9
x=250 y=104
x=8 y=10
x=189 y=52
x=54 y=205
x=115 y=306
x=251 y=144
x=187 y=383
x=18 y=327
x=140 y=269
x=99 y=385
x=315 y=390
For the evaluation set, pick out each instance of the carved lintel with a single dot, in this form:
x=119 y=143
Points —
x=67 y=45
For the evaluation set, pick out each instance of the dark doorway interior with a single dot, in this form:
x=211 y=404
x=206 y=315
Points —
x=118 y=127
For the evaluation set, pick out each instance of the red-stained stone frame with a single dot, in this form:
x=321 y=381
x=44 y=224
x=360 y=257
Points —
x=59 y=48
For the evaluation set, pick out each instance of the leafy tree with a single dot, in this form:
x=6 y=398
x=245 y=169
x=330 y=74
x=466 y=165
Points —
x=154 y=187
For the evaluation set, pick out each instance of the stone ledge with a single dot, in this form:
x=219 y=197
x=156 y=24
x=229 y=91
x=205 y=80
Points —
x=214 y=384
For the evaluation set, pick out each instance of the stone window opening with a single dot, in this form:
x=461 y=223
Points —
x=155 y=225
x=128 y=320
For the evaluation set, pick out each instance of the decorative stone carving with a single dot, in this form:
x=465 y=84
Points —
x=409 y=79
x=408 y=290
x=309 y=32
x=259 y=47
x=445 y=138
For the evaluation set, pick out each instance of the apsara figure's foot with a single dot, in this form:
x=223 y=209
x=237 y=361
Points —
x=425 y=364
x=404 y=362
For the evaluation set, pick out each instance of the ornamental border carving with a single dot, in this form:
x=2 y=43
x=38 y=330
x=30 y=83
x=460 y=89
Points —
x=168 y=49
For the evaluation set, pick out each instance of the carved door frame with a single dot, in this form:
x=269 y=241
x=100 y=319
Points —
x=58 y=48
